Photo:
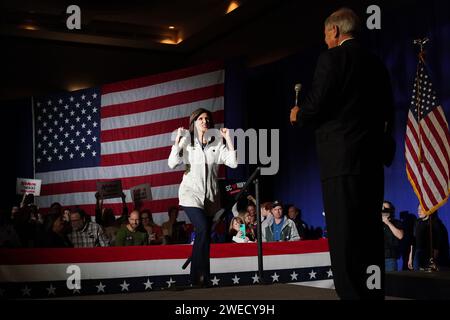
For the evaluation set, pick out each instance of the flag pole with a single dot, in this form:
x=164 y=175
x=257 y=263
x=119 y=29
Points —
x=432 y=266
x=34 y=137
x=421 y=43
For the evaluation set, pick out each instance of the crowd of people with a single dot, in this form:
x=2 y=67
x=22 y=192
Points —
x=61 y=227
x=406 y=239
x=421 y=241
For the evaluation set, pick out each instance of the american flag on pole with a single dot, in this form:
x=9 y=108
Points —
x=427 y=148
x=120 y=131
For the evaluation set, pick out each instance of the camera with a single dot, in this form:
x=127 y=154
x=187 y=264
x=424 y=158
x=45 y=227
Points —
x=387 y=210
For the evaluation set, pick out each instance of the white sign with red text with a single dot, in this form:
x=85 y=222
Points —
x=28 y=186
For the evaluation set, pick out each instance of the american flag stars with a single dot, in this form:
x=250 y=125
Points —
x=67 y=131
x=162 y=282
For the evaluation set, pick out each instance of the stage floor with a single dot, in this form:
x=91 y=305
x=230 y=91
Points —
x=419 y=284
x=261 y=292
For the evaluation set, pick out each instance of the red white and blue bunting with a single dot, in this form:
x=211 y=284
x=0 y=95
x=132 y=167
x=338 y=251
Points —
x=42 y=273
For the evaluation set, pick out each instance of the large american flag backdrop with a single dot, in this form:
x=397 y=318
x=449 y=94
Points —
x=120 y=131
x=427 y=149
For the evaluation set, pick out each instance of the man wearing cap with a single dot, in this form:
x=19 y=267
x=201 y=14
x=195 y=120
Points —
x=279 y=228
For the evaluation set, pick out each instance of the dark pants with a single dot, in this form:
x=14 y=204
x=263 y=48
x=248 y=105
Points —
x=200 y=250
x=355 y=233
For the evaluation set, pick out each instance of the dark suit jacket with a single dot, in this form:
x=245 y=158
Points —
x=351 y=107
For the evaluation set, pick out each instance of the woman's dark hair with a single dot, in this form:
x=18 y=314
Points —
x=49 y=220
x=109 y=219
x=173 y=208
x=194 y=116
x=150 y=216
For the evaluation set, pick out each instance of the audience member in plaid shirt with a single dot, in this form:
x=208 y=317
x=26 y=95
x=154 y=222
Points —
x=86 y=233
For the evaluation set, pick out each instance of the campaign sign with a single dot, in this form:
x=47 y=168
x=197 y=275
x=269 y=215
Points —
x=110 y=189
x=28 y=186
x=141 y=192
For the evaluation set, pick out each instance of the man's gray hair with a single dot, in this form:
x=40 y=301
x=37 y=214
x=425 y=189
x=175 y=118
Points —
x=346 y=20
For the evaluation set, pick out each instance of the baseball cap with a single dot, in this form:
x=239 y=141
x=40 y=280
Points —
x=276 y=203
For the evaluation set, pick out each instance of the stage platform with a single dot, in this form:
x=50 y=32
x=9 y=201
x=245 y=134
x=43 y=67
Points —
x=241 y=293
x=278 y=292
x=52 y=273
x=292 y=271
x=419 y=285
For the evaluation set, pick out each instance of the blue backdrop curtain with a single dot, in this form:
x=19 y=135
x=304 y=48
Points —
x=17 y=135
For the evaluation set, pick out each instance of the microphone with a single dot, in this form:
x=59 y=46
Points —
x=297 y=89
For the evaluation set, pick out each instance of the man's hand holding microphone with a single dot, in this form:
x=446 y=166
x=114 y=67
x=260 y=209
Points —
x=295 y=109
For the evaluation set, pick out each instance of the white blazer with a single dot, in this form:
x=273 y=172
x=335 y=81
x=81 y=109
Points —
x=199 y=187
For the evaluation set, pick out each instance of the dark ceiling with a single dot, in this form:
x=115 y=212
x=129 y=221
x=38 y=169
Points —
x=144 y=24
x=155 y=25
x=126 y=39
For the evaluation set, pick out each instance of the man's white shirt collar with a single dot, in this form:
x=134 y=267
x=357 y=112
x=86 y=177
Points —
x=340 y=44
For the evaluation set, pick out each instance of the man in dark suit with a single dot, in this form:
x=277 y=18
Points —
x=351 y=108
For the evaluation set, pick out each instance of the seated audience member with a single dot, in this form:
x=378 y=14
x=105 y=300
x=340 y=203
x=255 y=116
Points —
x=35 y=215
x=295 y=214
x=66 y=215
x=168 y=225
x=102 y=213
x=175 y=231
x=251 y=208
x=14 y=212
x=26 y=228
x=393 y=233
x=266 y=209
x=155 y=233
x=235 y=233
x=129 y=235
x=54 y=235
x=8 y=235
x=280 y=228
x=250 y=225
x=56 y=207
x=110 y=225
x=266 y=212
x=86 y=233
x=250 y=218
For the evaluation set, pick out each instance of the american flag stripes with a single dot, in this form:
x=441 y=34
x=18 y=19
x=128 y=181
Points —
x=120 y=131
x=427 y=149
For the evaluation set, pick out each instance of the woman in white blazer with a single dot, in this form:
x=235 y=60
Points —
x=201 y=150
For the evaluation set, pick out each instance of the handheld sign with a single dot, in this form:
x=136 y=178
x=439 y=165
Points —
x=28 y=186
x=141 y=192
x=234 y=188
x=110 y=189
